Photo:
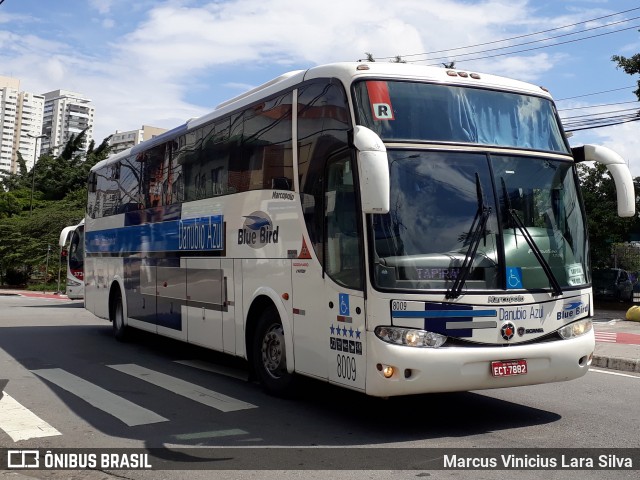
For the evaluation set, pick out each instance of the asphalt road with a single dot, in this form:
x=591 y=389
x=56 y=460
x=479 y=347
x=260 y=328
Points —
x=64 y=367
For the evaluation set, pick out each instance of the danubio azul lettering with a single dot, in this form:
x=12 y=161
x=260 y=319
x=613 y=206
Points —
x=518 y=314
x=199 y=234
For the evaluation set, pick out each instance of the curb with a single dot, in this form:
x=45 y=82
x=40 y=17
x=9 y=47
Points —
x=615 y=363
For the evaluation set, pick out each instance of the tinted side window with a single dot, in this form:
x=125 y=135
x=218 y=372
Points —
x=268 y=141
x=129 y=185
x=323 y=126
x=152 y=161
x=107 y=195
x=172 y=181
x=343 y=248
x=238 y=181
x=92 y=188
x=191 y=169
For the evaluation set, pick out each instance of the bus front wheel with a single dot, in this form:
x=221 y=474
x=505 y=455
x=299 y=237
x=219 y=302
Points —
x=269 y=354
x=119 y=328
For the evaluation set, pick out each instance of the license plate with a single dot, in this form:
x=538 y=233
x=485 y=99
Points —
x=508 y=368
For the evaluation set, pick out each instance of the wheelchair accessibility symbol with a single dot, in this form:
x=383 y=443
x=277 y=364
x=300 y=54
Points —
x=514 y=277
x=343 y=300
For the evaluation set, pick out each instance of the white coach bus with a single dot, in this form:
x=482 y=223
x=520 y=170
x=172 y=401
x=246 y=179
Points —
x=390 y=228
x=71 y=243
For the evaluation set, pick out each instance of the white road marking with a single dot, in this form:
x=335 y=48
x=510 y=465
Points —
x=186 y=389
x=615 y=373
x=121 y=408
x=229 y=372
x=20 y=423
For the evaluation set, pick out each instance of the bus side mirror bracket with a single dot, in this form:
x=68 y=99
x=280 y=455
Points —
x=373 y=170
x=619 y=171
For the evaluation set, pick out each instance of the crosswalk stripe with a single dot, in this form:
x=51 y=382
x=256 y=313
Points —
x=186 y=389
x=121 y=408
x=20 y=423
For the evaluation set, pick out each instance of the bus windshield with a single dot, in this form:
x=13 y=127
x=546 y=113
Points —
x=436 y=201
x=422 y=112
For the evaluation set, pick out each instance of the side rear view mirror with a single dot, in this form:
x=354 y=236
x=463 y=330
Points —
x=373 y=170
x=619 y=171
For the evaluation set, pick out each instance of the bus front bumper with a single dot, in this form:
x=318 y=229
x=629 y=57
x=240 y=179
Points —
x=452 y=369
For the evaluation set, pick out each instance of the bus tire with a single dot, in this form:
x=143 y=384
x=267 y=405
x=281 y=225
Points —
x=269 y=355
x=119 y=328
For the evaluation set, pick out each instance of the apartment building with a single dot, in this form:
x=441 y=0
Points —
x=20 y=125
x=120 y=141
x=65 y=113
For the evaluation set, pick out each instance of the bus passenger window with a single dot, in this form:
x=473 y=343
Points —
x=342 y=246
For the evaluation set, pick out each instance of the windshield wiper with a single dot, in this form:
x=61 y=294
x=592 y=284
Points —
x=476 y=233
x=557 y=290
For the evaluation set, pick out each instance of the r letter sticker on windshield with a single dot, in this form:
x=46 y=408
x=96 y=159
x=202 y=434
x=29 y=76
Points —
x=380 y=100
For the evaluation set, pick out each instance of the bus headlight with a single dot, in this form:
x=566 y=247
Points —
x=576 y=329
x=410 y=337
x=72 y=283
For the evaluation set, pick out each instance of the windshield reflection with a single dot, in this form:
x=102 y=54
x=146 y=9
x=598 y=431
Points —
x=423 y=241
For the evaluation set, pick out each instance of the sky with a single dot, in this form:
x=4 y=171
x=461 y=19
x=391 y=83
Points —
x=161 y=63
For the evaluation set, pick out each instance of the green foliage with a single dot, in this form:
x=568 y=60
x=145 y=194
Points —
x=9 y=205
x=605 y=227
x=59 y=199
x=41 y=287
x=22 y=166
x=629 y=65
x=626 y=256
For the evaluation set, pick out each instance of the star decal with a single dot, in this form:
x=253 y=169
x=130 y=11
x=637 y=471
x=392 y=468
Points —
x=351 y=332
x=358 y=332
x=332 y=328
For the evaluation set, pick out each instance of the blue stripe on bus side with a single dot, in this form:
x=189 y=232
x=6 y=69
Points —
x=192 y=234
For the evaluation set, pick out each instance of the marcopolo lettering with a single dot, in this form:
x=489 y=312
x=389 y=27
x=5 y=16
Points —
x=258 y=231
x=282 y=195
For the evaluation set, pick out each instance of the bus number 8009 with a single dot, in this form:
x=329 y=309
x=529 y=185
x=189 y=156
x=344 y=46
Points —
x=346 y=367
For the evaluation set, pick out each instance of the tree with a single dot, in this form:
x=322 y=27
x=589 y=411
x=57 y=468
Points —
x=22 y=165
x=631 y=66
x=59 y=199
x=605 y=227
x=9 y=205
x=56 y=177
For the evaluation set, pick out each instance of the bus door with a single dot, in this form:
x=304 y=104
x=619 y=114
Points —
x=344 y=275
x=329 y=315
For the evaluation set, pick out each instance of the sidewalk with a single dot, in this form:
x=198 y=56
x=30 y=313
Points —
x=36 y=294
x=617 y=341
